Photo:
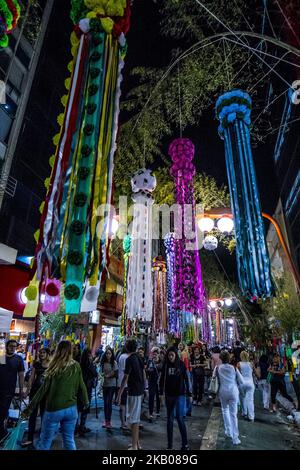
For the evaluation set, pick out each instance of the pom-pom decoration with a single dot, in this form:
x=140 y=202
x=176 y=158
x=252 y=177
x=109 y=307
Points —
x=210 y=243
x=52 y=296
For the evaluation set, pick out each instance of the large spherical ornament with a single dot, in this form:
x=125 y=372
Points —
x=210 y=243
x=143 y=180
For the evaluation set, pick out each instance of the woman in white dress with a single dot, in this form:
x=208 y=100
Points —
x=247 y=389
x=229 y=379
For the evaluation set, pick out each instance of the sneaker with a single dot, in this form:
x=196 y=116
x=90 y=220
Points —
x=86 y=429
x=199 y=403
x=236 y=442
x=104 y=424
x=185 y=447
x=108 y=425
x=158 y=415
x=150 y=419
x=194 y=402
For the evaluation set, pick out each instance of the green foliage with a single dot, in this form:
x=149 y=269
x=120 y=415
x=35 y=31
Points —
x=152 y=106
x=56 y=325
x=285 y=308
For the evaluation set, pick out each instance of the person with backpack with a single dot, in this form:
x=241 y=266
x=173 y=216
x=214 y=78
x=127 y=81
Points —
x=174 y=385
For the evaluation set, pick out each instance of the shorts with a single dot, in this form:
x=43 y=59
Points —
x=134 y=408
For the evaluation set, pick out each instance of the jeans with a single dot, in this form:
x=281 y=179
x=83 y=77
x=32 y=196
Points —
x=153 y=394
x=176 y=408
x=108 y=394
x=265 y=387
x=66 y=418
x=5 y=401
x=32 y=420
x=198 y=387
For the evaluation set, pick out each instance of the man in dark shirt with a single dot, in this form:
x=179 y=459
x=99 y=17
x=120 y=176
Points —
x=134 y=379
x=9 y=372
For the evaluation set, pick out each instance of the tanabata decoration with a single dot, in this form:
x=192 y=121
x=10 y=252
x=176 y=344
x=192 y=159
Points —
x=9 y=17
x=160 y=322
x=206 y=327
x=189 y=295
x=139 y=299
x=210 y=242
x=32 y=296
x=173 y=314
x=52 y=296
x=74 y=231
x=126 y=248
x=233 y=111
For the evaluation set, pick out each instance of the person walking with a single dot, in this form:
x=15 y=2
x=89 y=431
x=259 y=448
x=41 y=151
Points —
x=237 y=351
x=35 y=382
x=109 y=369
x=174 y=384
x=263 y=384
x=12 y=370
x=134 y=378
x=229 y=379
x=152 y=374
x=198 y=364
x=89 y=375
x=121 y=369
x=277 y=371
x=61 y=388
x=247 y=389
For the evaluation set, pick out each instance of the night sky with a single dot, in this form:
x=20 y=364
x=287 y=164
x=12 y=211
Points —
x=147 y=48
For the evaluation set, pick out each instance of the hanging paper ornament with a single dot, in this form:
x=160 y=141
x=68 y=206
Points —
x=159 y=295
x=126 y=248
x=71 y=240
x=233 y=111
x=32 y=295
x=189 y=290
x=139 y=291
x=173 y=314
x=210 y=243
x=89 y=301
x=52 y=296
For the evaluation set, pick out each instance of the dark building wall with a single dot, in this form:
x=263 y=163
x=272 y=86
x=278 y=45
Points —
x=20 y=216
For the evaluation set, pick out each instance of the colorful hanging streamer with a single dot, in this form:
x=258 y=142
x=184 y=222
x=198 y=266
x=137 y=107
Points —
x=173 y=314
x=9 y=17
x=73 y=237
x=160 y=324
x=234 y=110
x=189 y=289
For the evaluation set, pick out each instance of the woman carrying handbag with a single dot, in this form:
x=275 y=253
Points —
x=227 y=379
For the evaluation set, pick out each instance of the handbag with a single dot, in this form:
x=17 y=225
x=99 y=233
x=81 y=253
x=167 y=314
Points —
x=214 y=384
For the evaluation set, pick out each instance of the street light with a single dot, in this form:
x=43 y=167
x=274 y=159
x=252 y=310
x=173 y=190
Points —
x=213 y=303
x=206 y=224
x=225 y=225
x=228 y=302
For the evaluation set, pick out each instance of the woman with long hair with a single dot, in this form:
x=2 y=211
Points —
x=229 y=380
x=61 y=388
x=89 y=375
x=36 y=380
x=109 y=369
x=174 y=384
x=247 y=390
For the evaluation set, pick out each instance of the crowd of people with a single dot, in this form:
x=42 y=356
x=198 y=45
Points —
x=59 y=387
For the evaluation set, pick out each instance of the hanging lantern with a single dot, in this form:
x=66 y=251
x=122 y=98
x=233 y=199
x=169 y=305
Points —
x=225 y=225
x=210 y=243
x=206 y=224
